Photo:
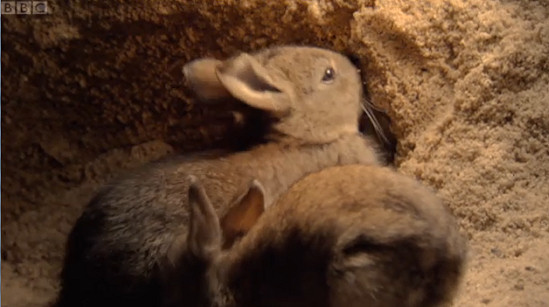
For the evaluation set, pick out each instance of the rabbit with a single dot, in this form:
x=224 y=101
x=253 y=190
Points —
x=354 y=235
x=313 y=99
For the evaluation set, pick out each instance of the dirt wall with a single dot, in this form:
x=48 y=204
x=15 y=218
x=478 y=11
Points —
x=94 y=88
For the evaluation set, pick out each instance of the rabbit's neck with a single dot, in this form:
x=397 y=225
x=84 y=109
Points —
x=218 y=290
x=281 y=165
x=310 y=137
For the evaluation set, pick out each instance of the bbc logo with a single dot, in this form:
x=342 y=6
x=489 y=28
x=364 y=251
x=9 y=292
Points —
x=24 y=7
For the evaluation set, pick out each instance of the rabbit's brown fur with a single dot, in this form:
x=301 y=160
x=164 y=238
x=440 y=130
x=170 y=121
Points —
x=345 y=236
x=116 y=244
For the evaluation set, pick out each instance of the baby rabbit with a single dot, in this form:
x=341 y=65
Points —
x=313 y=97
x=345 y=236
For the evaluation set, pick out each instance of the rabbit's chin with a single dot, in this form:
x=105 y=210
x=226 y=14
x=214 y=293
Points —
x=314 y=136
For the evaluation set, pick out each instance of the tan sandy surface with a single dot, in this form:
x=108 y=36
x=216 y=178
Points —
x=89 y=90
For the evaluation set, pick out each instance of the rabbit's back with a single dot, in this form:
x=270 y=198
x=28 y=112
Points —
x=411 y=237
x=129 y=225
x=379 y=237
x=363 y=189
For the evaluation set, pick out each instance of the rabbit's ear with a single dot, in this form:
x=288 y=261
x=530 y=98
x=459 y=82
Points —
x=204 y=237
x=244 y=214
x=202 y=78
x=247 y=80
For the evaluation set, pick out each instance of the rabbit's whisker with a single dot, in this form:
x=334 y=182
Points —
x=367 y=107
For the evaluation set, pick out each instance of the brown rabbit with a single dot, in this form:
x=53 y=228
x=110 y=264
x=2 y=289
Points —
x=313 y=97
x=345 y=236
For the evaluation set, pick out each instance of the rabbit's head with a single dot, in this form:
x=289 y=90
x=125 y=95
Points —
x=312 y=94
x=348 y=236
x=184 y=272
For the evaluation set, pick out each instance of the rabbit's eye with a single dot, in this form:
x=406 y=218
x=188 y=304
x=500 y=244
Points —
x=329 y=75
